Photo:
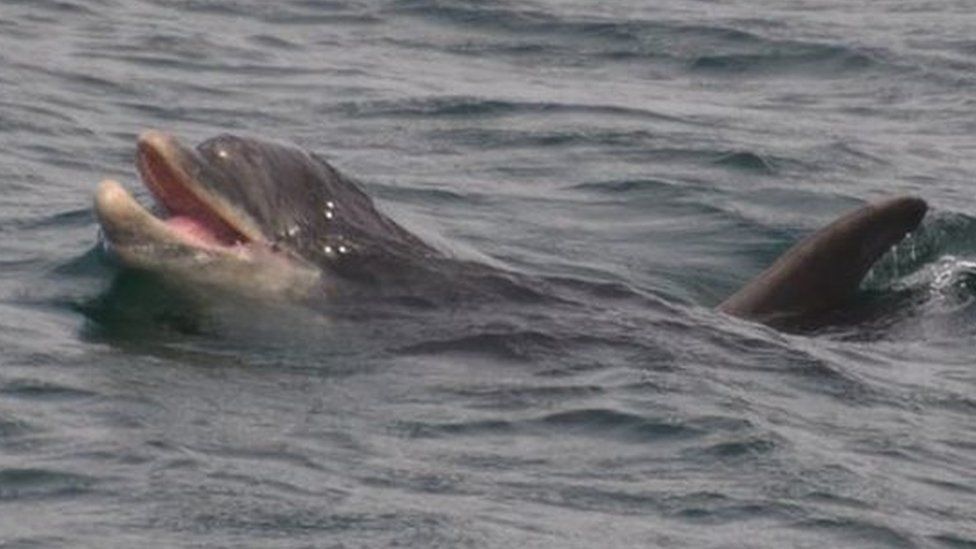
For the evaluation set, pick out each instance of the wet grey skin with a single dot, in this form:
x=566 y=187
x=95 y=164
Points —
x=822 y=272
x=271 y=219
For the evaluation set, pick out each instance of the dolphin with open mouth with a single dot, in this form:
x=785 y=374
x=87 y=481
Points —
x=258 y=216
x=268 y=218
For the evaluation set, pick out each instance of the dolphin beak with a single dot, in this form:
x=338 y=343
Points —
x=122 y=218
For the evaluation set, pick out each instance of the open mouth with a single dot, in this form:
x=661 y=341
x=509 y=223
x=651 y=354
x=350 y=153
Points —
x=191 y=214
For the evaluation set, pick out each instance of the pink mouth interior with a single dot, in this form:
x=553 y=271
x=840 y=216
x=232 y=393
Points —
x=198 y=232
x=189 y=216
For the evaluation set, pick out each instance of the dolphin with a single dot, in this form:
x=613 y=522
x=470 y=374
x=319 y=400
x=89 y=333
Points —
x=270 y=219
x=823 y=271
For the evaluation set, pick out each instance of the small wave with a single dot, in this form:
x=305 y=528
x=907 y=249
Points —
x=716 y=508
x=467 y=428
x=791 y=58
x=276 y=42
x=755 y=163
x=189 y=62
x=486 y=13
x=747 y=447
x=36 y=390
x=42 y=119
x=940 y=257
x=614 y=37
x=77 y=218
x=627 y=186
x=617 y=424
x=510 y=346
x=861 y=533
x=60 y=7
x=18 y=484
x=518 y=397
x=804 y=368
x=955 y=541
x=954 y=278
x=601 y=289
x=465 y=106
x=39 y=542
x=948 y=233
x=288 y=13
x=745 y=160
x=592 y=422
x=10 y=428
x=518 y=139
x=433 y=196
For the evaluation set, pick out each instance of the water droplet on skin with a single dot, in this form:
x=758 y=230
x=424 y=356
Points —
x=343 y=249
x=330 y=205
x=329 y=215
x=327 y=250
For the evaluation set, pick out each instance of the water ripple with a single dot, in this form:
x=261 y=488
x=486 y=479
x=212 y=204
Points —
x=34 y=483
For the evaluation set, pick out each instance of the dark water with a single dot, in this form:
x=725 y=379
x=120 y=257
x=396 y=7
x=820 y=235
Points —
x=648 y=156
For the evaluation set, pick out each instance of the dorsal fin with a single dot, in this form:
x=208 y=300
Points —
x=821 y=272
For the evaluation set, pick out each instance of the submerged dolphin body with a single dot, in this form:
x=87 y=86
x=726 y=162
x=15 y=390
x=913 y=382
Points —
x=271 y=219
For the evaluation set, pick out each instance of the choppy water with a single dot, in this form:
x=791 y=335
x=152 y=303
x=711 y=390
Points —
x=651 y=156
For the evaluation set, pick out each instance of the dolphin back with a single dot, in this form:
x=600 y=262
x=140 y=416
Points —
x=824 y=270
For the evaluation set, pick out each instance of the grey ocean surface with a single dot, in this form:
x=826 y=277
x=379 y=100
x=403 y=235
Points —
x=645 y=157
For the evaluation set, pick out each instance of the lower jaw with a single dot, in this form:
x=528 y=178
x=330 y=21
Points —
x=197 y=233
x=242 y=269
x=126 y=224
x=183 y=251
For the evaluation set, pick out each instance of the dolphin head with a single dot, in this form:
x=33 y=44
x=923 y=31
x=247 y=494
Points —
x=237 y=211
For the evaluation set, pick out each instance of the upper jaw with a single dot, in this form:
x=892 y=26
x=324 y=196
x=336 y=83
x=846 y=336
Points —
x=171 y=172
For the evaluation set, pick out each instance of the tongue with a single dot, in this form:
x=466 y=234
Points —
x=196 y=231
